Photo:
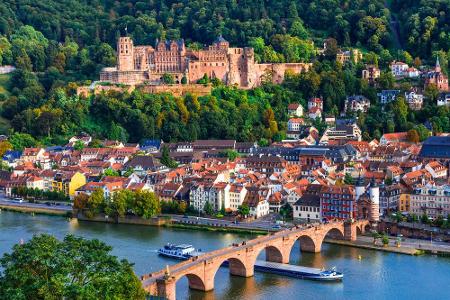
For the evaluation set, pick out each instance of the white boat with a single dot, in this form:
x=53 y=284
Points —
x=182 y=251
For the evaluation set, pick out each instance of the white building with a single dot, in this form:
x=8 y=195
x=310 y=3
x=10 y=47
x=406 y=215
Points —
x=357 y=103
x=308 y=208
x=414 y=100
x=431 y=199
x=295 y=109
x=443 y=99
x=399 y=68
x=237 y=194
x=295 y=124
x=436 y=169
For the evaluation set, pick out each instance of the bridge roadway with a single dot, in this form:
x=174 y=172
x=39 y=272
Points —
x=201 y=270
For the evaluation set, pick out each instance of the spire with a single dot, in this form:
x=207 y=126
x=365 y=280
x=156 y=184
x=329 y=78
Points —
x=438 y=65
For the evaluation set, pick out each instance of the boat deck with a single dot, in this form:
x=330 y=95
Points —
x=287 y=267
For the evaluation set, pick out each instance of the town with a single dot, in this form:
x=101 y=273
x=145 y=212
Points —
x=310 y=178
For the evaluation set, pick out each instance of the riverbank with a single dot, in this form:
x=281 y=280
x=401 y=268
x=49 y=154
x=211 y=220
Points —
x=365 y=245
x=35 y=210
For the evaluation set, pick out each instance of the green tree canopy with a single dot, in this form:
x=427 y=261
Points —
x=75 y=268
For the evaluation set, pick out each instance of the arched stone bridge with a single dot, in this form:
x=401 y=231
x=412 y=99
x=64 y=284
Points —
x=201 y=270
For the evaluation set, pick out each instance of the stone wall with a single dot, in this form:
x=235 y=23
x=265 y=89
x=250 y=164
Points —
x=178 y=89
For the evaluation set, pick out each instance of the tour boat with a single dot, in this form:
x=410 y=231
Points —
x=183 y=251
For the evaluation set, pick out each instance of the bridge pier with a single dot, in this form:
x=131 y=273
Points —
x=166 y=288
x=350 y=231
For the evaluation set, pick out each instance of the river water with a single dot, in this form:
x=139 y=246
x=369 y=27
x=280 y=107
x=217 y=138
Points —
x=377 y=275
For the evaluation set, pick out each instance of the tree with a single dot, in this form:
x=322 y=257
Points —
x=385 y=240
x=96 y=202
x=168 y=78
x=78 y=145
x=413 y=136
x=348 y=179
x=75 y=268
x=111 y=172
x=5 y=146
x=80 y=201
x=230 y=154
x=244 y=210
x=166 y=159
x=121 y=201
x=147 y=205
x=19 y=141
x=208 y=208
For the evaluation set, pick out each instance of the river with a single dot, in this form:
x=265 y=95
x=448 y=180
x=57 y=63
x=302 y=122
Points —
x=377 y=275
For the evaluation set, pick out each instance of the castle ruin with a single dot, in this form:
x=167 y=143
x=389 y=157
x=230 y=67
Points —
x=233 y=66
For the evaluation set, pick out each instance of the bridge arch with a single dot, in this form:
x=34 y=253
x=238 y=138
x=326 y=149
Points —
x=308 y=244
x=273 y=253
x=237 y=267
x=195 y=281
x=336 y=233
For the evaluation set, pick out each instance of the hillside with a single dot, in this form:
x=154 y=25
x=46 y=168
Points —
x=57 y=45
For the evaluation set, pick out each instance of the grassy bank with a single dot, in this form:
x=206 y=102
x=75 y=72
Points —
x=215 y=229
x=41 y=211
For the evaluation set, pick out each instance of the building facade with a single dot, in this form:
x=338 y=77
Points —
x=233 y=66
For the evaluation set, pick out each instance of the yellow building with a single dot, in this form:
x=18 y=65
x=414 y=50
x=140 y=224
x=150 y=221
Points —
x=404 y=203
x=68 y=182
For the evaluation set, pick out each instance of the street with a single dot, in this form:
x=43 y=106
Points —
x=10 y=202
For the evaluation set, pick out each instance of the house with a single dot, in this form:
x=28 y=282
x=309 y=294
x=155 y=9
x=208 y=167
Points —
x=307 y=133
x=35 y=182
x=443 y=99
x=352 y=55
x=84 y=138
x=414 y=100
x=257 y=200
x=295 y=109
x=412 y=72
x=108 y=188
x=315 y=113
x=68 y=182
x=237 y=194
x=431 y=199
x=398 y=68
x=396 y=137
x=315 y=102
x=308 y=208
x=295 y=124
x=143 y=164
x=32 y=155
x=436 y=169
x=150 y=145
x=338 y=202
x=266 y=164
x=12 y=157
x=345 y=130
x=437 y=78
x=387 y=96
x=371 y=73
x=357 y=103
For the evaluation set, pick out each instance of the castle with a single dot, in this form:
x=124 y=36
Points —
x=233 y=66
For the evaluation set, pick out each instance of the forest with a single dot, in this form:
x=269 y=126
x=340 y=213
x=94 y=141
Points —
x=59 y=45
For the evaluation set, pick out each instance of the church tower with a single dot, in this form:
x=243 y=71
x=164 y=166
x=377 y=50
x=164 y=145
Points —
x=374 y=194
x=125 y=54
x=360 y=187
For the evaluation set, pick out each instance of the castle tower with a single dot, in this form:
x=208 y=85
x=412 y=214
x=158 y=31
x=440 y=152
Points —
x=360 y=187
x=125 y=54
x=374 y=194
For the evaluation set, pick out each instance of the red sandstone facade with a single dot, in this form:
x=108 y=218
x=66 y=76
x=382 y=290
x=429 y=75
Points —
x=233 y=66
